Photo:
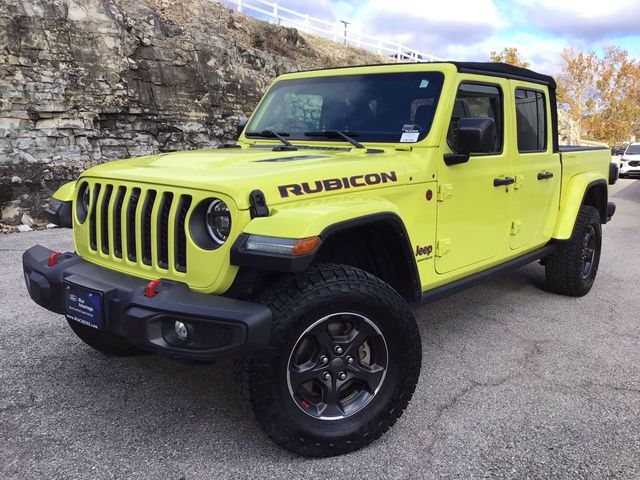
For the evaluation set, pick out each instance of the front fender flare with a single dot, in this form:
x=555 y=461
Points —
x=58 y=211
x=320 y=219
x=313 y=219
x=65 y=192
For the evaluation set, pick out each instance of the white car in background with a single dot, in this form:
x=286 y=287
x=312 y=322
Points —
x=630 y=161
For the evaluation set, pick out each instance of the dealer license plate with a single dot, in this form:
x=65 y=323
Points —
x=83 y=305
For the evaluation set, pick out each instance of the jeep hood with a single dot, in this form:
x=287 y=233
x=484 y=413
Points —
x=238 y=171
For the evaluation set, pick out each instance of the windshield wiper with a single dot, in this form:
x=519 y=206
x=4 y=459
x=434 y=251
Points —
x=271 y=134
x=336 y=134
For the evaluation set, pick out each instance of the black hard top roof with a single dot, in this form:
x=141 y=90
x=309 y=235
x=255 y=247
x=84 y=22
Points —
x=504 y=70
x=496 y=69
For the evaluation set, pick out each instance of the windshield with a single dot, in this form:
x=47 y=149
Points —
x=388 y=107
x=633 y=150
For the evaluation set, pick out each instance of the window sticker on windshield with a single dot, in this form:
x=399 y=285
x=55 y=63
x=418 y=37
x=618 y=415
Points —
x=409 y=136
x=424 y=83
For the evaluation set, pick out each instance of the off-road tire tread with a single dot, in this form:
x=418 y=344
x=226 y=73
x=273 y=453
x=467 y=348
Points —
x=562 y=268
x=290 y=294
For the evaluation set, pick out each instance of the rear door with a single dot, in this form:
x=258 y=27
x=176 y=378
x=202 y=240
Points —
x=473 y=215
x=536 y=168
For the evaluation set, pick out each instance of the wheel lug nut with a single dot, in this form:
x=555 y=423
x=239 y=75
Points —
x=324 y=359
x=342 y=376
x=338 y=350
x=349 y=359
x=326 y=376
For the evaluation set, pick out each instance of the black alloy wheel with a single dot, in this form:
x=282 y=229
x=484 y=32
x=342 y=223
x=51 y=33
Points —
x=337 y=366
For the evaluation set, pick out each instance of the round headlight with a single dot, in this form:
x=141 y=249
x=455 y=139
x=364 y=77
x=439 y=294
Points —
x=82 y=202
x=85 y=199
x=218 y=221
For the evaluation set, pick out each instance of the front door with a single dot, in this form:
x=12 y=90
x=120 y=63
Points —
x=474 y=215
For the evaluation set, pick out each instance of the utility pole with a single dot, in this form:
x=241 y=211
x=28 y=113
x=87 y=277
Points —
x=345 y=23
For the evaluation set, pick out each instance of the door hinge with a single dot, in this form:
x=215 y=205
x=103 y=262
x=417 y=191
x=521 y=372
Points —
x=445 y=191
x=516 y=225
x=519 y=181
x=443 y=247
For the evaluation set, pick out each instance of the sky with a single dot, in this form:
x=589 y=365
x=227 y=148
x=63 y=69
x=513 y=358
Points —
x=471 y=29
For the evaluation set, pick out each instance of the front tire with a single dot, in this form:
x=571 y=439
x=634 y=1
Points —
x=344 y=361
x=572 y=268
x=105 y=342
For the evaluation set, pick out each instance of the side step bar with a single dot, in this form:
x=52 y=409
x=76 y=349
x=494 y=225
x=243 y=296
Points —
x=456 y=286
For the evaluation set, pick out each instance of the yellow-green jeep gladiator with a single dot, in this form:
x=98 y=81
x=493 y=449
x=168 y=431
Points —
x=350 y=194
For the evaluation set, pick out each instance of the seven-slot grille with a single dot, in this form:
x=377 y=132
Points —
x=140 y=224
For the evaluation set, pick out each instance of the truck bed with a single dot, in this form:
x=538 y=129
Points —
x=580 y=148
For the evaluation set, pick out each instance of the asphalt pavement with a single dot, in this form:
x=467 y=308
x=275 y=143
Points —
x=516 y=383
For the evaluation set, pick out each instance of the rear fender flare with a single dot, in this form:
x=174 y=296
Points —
x=574 y=196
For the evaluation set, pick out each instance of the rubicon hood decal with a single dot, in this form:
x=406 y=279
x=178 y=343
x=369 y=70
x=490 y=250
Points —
x=328 y=184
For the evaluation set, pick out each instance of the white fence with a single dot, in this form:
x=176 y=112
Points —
x=337 y=31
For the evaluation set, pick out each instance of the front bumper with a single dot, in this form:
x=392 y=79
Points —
x=219 y=327
x=629 y=170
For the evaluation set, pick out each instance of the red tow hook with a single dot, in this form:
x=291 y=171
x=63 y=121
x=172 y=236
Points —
x=150 y=289
x=53 y=258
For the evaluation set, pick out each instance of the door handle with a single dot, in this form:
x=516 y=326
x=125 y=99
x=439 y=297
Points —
x=545 y=175
x=500 y=182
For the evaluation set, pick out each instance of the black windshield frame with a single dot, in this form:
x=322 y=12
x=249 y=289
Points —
x=388 y=106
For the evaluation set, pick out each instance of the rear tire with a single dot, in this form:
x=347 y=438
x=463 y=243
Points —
x=572 y=268
x=355 y=339
x=105 y=342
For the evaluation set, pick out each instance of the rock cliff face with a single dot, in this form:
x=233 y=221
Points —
x=86 y=81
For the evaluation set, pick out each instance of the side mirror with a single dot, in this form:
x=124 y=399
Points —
x=240 y=126
x=475 y=135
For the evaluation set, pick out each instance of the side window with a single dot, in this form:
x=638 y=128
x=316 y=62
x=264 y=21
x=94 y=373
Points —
x=477 y=101
x=531 y=120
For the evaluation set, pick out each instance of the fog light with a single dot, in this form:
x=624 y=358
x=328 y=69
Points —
x=181 y=330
